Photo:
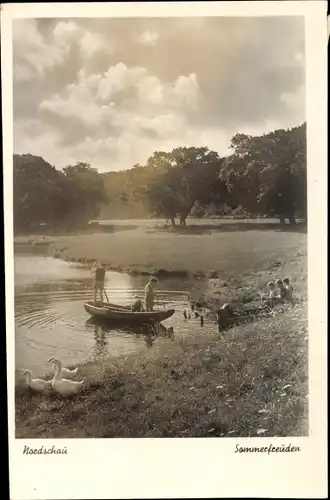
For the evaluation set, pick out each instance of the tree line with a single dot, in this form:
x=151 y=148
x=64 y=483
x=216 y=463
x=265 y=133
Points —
x=61 y=199
x=262 y=176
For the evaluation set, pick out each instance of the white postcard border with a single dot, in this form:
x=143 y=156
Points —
x=187 y=468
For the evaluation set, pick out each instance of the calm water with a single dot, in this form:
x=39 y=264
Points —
x=51 y=320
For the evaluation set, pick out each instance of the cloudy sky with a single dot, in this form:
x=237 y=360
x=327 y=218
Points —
x=112 y=91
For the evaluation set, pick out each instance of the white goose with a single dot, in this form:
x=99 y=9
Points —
x=64 y=371
x=61 y=385
x=37 y=384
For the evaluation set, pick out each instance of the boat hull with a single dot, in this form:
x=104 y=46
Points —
x=115 y=312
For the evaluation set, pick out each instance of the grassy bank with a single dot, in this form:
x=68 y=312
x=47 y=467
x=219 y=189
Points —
x=248 y=381
x=251 y=380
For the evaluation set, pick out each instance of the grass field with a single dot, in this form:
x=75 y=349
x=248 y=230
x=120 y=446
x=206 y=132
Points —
x=226 y=249
x=248 y=381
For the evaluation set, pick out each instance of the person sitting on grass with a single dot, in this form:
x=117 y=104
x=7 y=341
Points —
x=149 y=295
x=271 y=298
x=288 y=289
x=281 y=290
x=137 y=305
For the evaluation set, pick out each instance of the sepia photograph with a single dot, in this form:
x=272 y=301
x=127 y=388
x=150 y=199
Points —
x=160 y=209
x=161 y=229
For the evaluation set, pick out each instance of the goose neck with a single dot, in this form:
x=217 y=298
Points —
x=57 y=371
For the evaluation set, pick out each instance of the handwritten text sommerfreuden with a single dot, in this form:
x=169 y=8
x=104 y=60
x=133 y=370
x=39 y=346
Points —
x=45 y=451
x=267 y=449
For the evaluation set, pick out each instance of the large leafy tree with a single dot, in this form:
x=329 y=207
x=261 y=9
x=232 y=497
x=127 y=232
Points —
x=44 y=194
x=267 y=174
x=86 y=189
x=184 y=177
x=39 y=191
x=126 y=191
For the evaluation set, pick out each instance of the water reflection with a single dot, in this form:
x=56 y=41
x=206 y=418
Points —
x=100 y=346
x=50 y=319
x=147 y=333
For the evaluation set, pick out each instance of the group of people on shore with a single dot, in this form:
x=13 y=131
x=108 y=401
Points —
x=98 y=271
x=280 y=291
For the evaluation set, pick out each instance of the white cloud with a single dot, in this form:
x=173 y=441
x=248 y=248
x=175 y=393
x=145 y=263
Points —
x=93 y=43
x=90 y=43
x=91 y=99
x=65 y=32
x=117 y=79
x=118 y=129
x=32 y=56
x=184 y=92
x=186 y=89
x=151 y=90
x=148 y=38
x=86 y=89
x=83 y=98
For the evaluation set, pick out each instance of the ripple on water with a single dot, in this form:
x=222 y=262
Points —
x=50 y=318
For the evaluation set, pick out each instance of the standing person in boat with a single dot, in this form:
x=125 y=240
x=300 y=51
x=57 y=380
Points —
x=149 y=294
x=98 y=271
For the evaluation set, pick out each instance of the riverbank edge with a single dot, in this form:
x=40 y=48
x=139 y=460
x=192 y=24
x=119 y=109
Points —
x=212 y=287
x=46 y=249
x=61 y=246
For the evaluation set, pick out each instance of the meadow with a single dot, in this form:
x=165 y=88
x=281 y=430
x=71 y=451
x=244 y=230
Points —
x=203 y=248
x=247 y=381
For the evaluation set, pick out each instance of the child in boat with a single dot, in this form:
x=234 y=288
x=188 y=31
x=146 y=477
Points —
x=137 y=305
x=288 y=289
x=98 y=270
x=149 y=295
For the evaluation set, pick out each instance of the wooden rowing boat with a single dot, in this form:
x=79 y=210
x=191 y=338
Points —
x=115 y=312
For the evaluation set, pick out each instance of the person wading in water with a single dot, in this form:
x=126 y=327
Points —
x=98 y=270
